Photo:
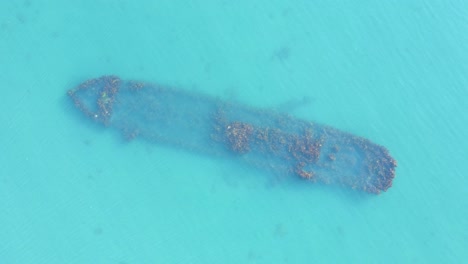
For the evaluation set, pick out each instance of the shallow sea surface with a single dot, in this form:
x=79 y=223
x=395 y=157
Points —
x=395 y=72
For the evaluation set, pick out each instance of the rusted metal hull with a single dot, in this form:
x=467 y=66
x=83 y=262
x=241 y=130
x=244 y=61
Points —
x=263 y=138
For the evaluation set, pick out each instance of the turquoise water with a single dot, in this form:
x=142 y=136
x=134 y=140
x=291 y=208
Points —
x=392 y=71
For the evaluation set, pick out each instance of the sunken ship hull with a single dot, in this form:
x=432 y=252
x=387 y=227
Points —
x=263 y=138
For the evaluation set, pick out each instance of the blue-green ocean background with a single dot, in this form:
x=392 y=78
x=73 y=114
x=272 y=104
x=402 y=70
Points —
x=395 y=72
